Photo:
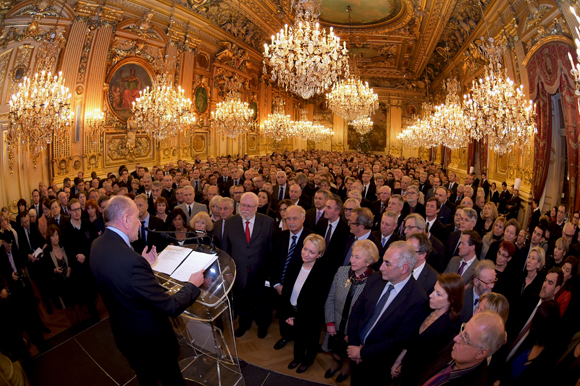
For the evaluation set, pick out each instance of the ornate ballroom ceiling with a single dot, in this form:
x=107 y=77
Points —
x=402 y=43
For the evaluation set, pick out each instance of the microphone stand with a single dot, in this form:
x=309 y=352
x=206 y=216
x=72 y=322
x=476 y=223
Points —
x=202 y=235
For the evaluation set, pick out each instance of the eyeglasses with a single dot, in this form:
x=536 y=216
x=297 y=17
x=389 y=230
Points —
x=465 y=339
x=504 y=255
x=246 y=206
x=487 y=282
x=409 y=227
x=353 y=223
x=348 y=209
x=570 y=236
x=75 y=210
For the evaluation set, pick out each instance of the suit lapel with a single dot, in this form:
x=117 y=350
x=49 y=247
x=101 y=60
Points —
x=397 y=301
x=257 y=228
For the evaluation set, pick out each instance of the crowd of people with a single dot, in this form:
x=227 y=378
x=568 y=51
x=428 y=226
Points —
x=395 y=260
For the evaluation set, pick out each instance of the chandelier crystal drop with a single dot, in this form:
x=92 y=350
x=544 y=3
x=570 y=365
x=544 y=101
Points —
x=162 y=111
x=363 y=125
x=232 y=117
x=352 y=99
x=40 y=110
x=497 y=108
x=304 y=59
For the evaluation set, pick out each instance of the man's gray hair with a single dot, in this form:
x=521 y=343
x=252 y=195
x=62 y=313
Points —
x=117 y=207
x=405 y=253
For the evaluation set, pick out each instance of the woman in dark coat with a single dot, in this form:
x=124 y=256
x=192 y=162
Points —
x=303 y=296
x=437 y=330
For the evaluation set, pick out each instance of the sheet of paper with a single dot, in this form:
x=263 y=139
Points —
x=195 y=262
x=37 y=252
x=170 y=258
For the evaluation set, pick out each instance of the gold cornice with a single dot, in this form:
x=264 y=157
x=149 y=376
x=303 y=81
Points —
x=112 y=15
x=86 y=9
x=544 y=41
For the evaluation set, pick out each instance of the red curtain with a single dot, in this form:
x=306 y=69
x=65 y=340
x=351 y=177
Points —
x=549 y=72
x=542 y=141
x=482 y=143
x=470 y=155
x=571 y=117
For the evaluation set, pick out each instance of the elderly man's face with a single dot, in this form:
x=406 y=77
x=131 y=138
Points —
x=248 y=206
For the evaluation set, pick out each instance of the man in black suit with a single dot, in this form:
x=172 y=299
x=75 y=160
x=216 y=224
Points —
x=390 y=309
x=58 y=219
x=335 y=234
x=485 y=184
x=452 y=184
x=386 y=235
x=248 y=240
x=536 y=214
x=423 y=273
x=379 y=206
x=145 y=238
x=504 y=197
x=424 y=184
x=361 y=223
x=434 y=226
x=226 y=207
x=315 y=216
x=446 y=208
x=369 y=191
x=138 y=306
x=295 y=196
x=436 y=257
x=468 y=353
x=483 y=280
x=233 y=181
x=413 y=205
x=280 y=189
x=168 y=192
x=286 y=252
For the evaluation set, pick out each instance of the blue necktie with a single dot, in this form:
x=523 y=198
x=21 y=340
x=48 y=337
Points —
x=376 y=313
x=290 y=253
x=143 y=235
x=349 y=253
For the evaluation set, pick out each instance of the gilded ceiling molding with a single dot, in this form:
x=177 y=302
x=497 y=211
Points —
x=543 y=42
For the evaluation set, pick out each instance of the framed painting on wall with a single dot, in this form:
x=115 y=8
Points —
x=125 y=80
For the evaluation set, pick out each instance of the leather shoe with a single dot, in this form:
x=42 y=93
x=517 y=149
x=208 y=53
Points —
x=281 y=343
x=330 y=373
x=302 y=369
x=293 y=365
x=240 y=332
x=262 y=332
x=341 y=377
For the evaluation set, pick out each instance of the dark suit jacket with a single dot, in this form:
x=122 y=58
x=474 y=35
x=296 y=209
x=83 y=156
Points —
x=279 y=255
x=153 y=239
x=371 y=193
x=310 y=222
x=419 y=209
x=427 y=278
x=535 y=220
x=436 y=257
x=372 y=237
x=229 y=184
x=250 y=259
x=425 y=187
x=452 y=241
x=276 y=192
x=334 y=254
x=400 y=320
x=453 y=188
x=439 y=231
x=138 y=306
x=217 y=233
x=453 y=267
x=445 y=214
x=379 y=236
x=64 y=220
x=467 y=309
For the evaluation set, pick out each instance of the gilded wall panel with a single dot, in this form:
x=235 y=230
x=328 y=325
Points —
x=20 y=67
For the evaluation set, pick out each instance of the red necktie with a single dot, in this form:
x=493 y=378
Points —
x=248 y=232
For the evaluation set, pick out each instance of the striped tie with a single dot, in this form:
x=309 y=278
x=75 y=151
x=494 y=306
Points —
x=290 y=253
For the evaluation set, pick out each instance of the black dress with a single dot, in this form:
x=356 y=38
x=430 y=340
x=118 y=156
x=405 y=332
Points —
x=424 y=346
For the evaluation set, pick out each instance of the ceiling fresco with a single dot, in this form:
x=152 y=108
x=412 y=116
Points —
x=367 y=11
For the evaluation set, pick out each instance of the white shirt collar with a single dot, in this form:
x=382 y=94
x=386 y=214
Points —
x=417 y=271
x=123 y=236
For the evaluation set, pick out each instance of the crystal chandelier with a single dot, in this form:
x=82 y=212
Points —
x=278 y=126
x=95 y=123
x=575 y=71
x=352 y=99
x=162 y=110
x=303 y=58
x=232 y=117
x=363 y=125
x=496 y=107
x=40 y=110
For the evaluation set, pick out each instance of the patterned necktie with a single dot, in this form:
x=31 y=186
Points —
x=461 y=268
x=376 y=313
x=318 y=215
x=288 y=258
x=248 y=232
x=384 y=241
